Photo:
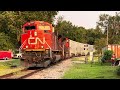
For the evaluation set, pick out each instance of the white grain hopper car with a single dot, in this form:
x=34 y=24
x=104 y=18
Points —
x=77 y=48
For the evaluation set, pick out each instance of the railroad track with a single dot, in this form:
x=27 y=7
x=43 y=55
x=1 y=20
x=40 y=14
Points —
x=29 y=74
x=11 y=74
x=20 y=74
x=24 y=73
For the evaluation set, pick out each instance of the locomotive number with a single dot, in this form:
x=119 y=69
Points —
x=44 y=27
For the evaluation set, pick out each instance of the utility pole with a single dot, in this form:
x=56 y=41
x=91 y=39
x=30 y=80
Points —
x=107 y=34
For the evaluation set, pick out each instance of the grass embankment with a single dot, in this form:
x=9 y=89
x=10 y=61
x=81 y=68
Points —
x=5 y=67
x=91 y=71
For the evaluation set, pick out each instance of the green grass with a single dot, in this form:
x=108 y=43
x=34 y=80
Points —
x=83 y=58
x=8 y=64
x=5 y=67
x=94 y=71
x=78 y=58
x=8 y=70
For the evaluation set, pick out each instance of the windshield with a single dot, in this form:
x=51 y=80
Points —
x=30 y=27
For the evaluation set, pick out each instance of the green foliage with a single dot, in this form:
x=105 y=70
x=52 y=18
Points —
x=112 y=24
x=5 y=42
x=118 y=71
x=99 y=44
x=107 y=55
x=85 y=71
x=79 y=34
x=11 y=22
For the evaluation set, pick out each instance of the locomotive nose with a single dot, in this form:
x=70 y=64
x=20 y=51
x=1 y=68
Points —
x=32 y=40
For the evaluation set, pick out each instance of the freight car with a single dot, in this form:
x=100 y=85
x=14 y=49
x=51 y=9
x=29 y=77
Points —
x=40 y=45
x=114 y=47
x=74 y=48
x=86 y=48
x=79 y=49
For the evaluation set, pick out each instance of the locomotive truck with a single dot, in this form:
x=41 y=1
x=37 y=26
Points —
x=40 y=45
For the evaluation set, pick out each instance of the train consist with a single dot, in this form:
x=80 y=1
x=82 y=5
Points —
x=41 y=46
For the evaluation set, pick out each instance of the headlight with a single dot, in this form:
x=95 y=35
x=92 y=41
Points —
x=26 y=46
x=42 y=47
x=35 y=33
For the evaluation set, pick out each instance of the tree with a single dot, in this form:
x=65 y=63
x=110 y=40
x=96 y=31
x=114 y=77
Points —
x=67 y=29
x=99 y=45
x=5 y=43
x=112 y=24
x=11 y=22
x=63 y=27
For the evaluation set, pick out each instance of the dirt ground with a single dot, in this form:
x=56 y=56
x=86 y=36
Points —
x=53 y=72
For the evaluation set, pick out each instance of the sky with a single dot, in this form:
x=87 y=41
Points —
x=85 y=19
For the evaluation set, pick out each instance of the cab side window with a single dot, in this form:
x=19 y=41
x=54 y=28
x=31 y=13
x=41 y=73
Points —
x=30 y=27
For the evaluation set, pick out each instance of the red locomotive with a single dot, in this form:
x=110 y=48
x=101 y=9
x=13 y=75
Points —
x=41 y=46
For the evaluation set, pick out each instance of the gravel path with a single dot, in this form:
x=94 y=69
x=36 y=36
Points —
x=53 y=72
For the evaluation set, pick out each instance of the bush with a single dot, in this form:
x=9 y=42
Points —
x=103 y=59
x=107 y=55
x=118 y=71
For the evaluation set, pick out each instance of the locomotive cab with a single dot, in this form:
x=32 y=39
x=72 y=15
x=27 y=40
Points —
x=37 y=33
